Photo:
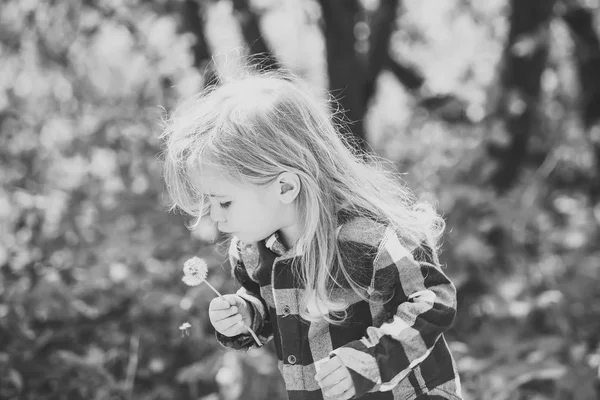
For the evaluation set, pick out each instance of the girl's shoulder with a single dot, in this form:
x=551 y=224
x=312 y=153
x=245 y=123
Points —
x=364 y=245
x=362 y=230
x=368 y=235
x=371 y=237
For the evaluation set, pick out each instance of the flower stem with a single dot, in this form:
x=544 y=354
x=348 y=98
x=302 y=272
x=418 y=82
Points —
x=215 y=290
x=245 y=326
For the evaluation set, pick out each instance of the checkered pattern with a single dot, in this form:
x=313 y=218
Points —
x=394 y=350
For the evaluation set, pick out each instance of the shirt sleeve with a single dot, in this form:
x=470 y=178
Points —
x=426 y=308
x=250 y=292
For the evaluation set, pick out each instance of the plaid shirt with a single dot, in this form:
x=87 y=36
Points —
x=394 y=350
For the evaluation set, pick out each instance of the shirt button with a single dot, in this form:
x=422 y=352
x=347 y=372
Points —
x=286 y=311
x=292 y=359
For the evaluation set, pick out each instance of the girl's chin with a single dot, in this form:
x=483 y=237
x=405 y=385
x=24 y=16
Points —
x=245 y=238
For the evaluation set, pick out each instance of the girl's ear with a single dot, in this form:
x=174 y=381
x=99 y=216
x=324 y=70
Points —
x=288 y=186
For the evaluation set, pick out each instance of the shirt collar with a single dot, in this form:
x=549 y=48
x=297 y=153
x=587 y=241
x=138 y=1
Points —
x=275 y=244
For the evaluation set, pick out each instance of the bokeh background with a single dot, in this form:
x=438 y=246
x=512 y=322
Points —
x=490 y=110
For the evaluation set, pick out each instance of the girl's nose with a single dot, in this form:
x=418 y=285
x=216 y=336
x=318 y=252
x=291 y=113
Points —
x=216 y=214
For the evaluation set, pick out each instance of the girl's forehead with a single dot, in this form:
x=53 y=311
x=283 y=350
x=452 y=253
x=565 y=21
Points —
x=208 y=172
x=208 y=179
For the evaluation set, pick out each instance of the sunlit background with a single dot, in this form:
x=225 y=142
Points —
x=489 y=109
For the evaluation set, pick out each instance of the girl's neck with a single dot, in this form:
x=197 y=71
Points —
x=289 y=235
x=291 y=228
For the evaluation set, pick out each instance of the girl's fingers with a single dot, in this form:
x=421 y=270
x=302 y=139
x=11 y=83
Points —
x=218 y=304
x=338 y=389
x=333 y=379
x=235 y=329
x=228 y=323
x=224 y=314
x=226 y=317
x=328 y=367
x=348 y=394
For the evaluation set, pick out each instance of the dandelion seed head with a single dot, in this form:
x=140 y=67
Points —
x=184 y=329
x=184 y=326
x=194 y=271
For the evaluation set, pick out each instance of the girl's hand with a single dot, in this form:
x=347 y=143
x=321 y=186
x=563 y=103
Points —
x=335 y=380
x=228 y=317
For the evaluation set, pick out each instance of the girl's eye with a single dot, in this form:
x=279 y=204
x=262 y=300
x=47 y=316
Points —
x=225 y=205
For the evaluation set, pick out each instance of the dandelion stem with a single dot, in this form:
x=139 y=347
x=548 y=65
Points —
x=253 y=335
x=134 y=345
x=214 y=290
x=245 y=326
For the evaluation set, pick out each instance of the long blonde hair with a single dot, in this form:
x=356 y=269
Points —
x=261 y=124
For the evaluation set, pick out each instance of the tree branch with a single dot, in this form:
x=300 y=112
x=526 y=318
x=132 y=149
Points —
x=408 y=76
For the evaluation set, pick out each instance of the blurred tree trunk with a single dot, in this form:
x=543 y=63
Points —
x=193 y=22
x=377 y=54
x=580 y=21
x=250 y=26
x=346 y=73
x=357 y=43
x=524 y=60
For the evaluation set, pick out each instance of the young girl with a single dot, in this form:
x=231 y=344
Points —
x=337 y=262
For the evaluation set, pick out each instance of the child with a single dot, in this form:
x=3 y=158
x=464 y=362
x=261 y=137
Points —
x=336 y=260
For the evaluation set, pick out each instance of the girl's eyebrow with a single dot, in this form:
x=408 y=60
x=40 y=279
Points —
x=215 y=195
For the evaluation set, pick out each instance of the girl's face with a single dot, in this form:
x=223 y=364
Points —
x=248 y=211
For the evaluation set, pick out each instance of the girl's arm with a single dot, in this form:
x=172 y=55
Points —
x=388 y=352
x=250 y=292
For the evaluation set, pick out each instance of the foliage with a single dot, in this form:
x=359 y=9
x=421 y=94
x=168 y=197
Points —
x=90 y=261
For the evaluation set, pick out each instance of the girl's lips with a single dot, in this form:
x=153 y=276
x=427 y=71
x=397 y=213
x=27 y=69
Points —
x=224 y=230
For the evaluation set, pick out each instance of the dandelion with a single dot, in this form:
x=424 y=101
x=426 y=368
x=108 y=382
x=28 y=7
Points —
x=195 y=271
x=184 y=329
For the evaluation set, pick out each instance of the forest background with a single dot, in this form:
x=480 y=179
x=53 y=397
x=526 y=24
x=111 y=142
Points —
x=490 y=110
